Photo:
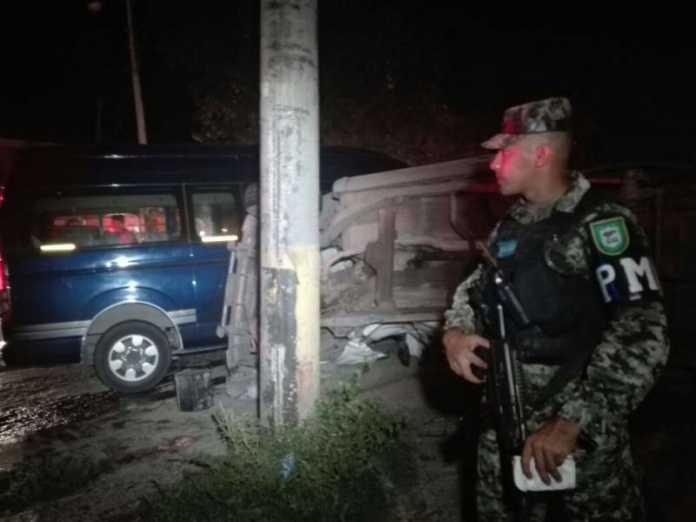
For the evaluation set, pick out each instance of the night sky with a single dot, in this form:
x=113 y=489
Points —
x=629 y=74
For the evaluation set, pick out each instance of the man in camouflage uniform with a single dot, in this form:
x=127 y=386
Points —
x=582 y=270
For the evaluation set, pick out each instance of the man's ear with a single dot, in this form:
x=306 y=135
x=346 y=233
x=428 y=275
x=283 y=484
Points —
x=543 y=155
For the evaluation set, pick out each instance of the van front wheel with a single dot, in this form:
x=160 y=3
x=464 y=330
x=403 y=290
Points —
x=132 y=357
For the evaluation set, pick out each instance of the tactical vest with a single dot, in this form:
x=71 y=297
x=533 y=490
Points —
x=566 y=311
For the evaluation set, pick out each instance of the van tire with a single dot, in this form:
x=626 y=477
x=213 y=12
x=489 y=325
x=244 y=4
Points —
x=132 y=357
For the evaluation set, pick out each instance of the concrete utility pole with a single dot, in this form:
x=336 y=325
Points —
x=289 y=276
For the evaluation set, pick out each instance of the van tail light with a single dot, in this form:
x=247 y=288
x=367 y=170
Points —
x=4 y=290
x=3 y=275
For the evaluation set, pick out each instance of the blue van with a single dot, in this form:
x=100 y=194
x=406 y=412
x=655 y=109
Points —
x=118 y=257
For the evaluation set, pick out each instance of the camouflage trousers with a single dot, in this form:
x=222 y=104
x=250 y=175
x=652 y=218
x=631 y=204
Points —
x=607 y=486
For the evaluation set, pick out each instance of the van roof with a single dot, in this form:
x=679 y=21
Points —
x=155 y=164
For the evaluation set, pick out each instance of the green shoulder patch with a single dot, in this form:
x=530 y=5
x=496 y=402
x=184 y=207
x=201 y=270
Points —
x=610 y=236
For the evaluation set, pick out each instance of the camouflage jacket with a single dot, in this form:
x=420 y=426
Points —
x=634 y=346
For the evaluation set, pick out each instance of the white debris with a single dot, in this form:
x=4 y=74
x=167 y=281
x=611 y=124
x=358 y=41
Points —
x=358 y=351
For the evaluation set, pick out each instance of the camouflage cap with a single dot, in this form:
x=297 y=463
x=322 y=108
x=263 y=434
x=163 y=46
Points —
x=549 y=115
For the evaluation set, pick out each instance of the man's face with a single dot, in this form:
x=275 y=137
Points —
x=514 y=168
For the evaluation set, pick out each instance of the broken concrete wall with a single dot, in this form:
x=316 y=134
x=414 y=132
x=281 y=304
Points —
x=392 y=253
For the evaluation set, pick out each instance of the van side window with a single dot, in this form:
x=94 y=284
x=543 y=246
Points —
x=216 y=215
x=86 y=220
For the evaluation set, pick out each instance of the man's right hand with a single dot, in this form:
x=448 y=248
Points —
x=459 y=348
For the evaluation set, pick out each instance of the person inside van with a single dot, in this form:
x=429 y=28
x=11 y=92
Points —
x=119 y=231
x=154 y=229
x=75 y=231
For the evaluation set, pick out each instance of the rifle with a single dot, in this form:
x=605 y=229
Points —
x=504 y=380
x=505 y=392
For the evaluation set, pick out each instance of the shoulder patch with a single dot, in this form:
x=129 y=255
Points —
x=622 y=263
x=610 y=235
x=505 y=248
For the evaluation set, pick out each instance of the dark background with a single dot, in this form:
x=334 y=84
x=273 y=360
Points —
x=419 y=82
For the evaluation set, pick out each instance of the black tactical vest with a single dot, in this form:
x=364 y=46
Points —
x=566 y=310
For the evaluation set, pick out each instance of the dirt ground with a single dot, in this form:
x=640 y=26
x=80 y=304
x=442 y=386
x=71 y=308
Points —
x=48 y=414
x=51 y=414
